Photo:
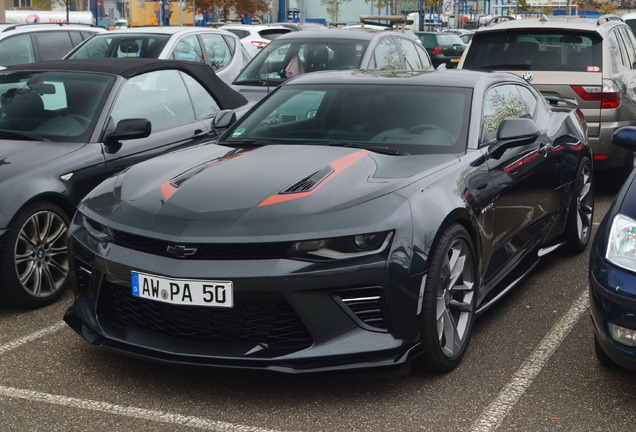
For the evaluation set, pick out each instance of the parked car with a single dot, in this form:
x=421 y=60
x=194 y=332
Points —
x=346 y=222
x=65 y=126
x=29 y=43
x=302 y=26
x=590 y=61
x=446 y=48
x=612 y=273
x=255 y=37
x=217 y=48
x=630 y=20
x=309 y=51
x=466 y=36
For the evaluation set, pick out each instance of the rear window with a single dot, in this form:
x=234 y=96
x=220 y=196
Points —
x=531 y=49
x=448 y=39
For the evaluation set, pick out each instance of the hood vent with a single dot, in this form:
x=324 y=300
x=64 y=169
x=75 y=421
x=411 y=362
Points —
x=309 y=183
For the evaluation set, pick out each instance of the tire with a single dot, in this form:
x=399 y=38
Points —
x=578 y=228
x=602 y=357
x=34 y=257
x=448 y=306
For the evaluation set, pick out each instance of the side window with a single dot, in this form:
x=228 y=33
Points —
x=615 y=53
x=52 y=45
x=217 y=50
x=628 y=39
x=16 y=50
x=530 y=100
x=386 y=55
x=189 y=49
x=412 y=60
x=204 y=104
x=159 y=96
x=502 y=102
x=76 y=37
x=426 y=60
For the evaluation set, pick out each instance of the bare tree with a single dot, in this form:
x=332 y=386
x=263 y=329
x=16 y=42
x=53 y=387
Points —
x=333 y=8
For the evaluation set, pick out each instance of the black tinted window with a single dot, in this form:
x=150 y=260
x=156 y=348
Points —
x=531 y=49
x=52 y=45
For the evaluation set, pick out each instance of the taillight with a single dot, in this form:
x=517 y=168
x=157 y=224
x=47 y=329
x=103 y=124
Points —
x=609 y=95
x=438 y=50
x=259 y=44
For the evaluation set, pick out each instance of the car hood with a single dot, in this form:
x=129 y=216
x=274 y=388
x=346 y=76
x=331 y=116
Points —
x=182 y=193
x=17 y=157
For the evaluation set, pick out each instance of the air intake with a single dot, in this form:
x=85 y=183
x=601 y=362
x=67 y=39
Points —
x=366 y=305
x=309 y=183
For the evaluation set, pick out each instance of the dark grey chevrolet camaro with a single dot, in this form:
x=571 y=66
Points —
x=353 y=219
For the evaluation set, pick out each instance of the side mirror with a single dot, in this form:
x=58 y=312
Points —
x=625 y=137
x=130 y=129
x=223 y=119
x=514 y=132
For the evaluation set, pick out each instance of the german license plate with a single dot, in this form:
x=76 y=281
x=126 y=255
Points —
x=193 y=292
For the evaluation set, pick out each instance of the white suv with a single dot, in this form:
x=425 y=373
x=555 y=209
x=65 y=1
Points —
x=28 y=43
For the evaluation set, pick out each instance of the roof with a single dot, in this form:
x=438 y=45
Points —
x=167 y=30
x=356 y=34
x=24 y=27
x=438 y=78
x=130 y=67
x=565 y=23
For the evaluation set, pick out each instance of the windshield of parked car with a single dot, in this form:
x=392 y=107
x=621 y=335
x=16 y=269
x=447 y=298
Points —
x=402 y=119
x=281 y=60
x=535 y=49
x=122 y=45
x=57 y=106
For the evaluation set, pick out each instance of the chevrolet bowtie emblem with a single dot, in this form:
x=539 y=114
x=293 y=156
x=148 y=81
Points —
x=181 y=251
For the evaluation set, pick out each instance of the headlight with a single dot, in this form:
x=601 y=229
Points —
x=622 y=335
x=621 y=244
x=342 y=247
x=98 y=231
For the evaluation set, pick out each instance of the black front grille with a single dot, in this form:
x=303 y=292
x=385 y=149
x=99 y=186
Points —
x=263 y=318
x=219 y=251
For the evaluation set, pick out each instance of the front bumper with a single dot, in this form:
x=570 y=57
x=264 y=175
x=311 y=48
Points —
x=289 y=316
x=611 y=301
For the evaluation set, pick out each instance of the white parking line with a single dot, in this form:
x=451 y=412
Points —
x=138 y=413
x=30 y=338
x=493 y=416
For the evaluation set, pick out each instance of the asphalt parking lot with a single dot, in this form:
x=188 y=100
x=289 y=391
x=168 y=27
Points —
x=530 y=366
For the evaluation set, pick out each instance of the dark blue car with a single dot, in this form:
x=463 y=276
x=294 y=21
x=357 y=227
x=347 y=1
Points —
x=613 y=273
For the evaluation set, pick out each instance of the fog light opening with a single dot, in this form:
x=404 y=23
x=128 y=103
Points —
x=622 y=335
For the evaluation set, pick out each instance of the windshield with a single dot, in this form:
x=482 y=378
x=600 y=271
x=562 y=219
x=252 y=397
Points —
x=405 y=119
x=535 y=49
x=122 y=45
x=58 y=106
x=281 y=60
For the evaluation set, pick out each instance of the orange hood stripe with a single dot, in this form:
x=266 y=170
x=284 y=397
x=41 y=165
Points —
x=338 y=166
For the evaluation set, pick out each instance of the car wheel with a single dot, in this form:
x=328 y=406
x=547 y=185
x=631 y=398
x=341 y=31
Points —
x=579 y=223
x=34 y=260
x=448 y=305
x=602 y=357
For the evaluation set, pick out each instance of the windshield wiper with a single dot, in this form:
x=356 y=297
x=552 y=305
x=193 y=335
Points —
x=261 y=82
x=245 y=143
x=5 y=133
x=370 y=147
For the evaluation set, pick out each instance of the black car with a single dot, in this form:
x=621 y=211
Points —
x=613 y=272
x=352 y=219
x=296 y=53
x=67 y=125
x=443 y=48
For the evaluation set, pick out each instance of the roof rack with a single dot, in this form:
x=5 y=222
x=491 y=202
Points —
x=13 y=26
x=398 y=22
x=607 y=18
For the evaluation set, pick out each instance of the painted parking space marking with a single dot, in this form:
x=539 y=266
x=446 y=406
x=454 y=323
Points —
x=31 y=337
x=133 y=412
x=497 y=411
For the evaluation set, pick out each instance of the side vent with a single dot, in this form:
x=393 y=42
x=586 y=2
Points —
x=310 y=182
x=83 y=275
x=367 y=305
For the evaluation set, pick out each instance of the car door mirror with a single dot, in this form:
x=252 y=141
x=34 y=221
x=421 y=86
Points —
x=223 y=120
x=625 y=137
x=514 y=132
x=130 y=129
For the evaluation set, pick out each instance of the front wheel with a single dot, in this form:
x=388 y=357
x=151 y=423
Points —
x=448 y=306
x=34 y=259
x=578 y=228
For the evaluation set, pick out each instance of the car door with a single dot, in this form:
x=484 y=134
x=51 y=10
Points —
x=525 y=177
x=162 y=97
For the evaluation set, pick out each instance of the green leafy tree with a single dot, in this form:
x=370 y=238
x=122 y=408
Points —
x=333 y=8
x=396 y=7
